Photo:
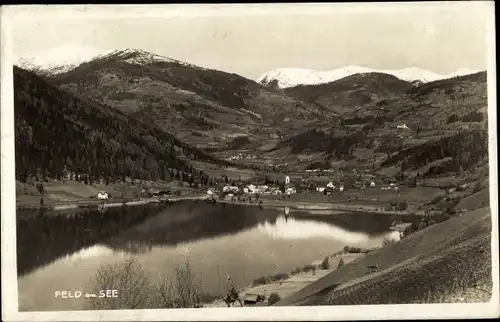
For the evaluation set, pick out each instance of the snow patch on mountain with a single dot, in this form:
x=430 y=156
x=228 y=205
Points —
x=57 y=60
x=65 y=58
x=137 y=57
x=289 y=77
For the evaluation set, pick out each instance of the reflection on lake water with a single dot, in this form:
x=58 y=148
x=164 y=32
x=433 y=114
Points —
x=291 y=228
x=62 y=251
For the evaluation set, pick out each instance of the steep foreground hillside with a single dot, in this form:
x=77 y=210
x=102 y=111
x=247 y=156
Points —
x=446 y=262
x=56 y=132
x=194 y=103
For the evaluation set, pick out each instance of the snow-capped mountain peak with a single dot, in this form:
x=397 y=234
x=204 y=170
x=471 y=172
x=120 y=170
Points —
x=290 y=77
x=57 y=60
x=138 y=57
x=65 y=58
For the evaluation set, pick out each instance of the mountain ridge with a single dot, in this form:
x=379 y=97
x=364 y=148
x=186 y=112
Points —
x=191 y=101
x=291 y=77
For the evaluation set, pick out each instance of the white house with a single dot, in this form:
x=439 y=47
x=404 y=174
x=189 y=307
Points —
x=102 y=195
x=246 y=190
x=290 y=191
x=262 y=189
x=393 y=236
x=210 y=192
x=252 y=188
x=225 y=188
x=372 y=184
x=341 y=188
x=320 y=189
x=330 y=185
x=402 y=126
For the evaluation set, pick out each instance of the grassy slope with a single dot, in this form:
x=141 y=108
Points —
x=434 y=264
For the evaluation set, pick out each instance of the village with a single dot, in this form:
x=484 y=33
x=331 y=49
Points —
x=286 y=188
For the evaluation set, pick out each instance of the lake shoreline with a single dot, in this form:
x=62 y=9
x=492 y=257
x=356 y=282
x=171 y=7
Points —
x=266 y=203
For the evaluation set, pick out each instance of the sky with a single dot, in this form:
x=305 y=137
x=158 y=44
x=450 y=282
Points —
x=439 y=37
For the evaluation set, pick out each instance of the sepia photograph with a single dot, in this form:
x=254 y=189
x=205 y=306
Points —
x=249 y=162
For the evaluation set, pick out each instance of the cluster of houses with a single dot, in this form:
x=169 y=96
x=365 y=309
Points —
x=289 y=188
x=392 y=186
x=241 y=156
x=251 y=189
x=254 y=189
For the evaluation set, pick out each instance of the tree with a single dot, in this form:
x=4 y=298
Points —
x=325 y=264
x=40 y=188
x=273 y=298
x=341 y=263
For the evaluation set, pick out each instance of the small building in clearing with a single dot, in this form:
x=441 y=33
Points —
x=252 y=188
x=102 y=195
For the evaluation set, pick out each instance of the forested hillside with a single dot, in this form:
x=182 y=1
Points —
x=465 y=149
x=57 y=133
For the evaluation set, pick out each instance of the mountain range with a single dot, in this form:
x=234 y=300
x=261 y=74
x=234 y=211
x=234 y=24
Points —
x=290 y=77
x=201 y=106
x=351 y=119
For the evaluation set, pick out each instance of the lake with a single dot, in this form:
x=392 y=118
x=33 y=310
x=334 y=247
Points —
x=63 y=250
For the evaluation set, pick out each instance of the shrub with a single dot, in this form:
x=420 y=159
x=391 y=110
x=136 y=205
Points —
x=308 y=268
x=273 y=298
x=131 y=281
x=181 y=291
x=279 y=277
x=341 y=263
x=260 y=281
x=325 y=264
x=136 y=290
x=437 y=199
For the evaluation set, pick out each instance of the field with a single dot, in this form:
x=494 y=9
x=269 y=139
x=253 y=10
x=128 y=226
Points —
x=374 y=195
x=441 y=263
x=71 y=191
